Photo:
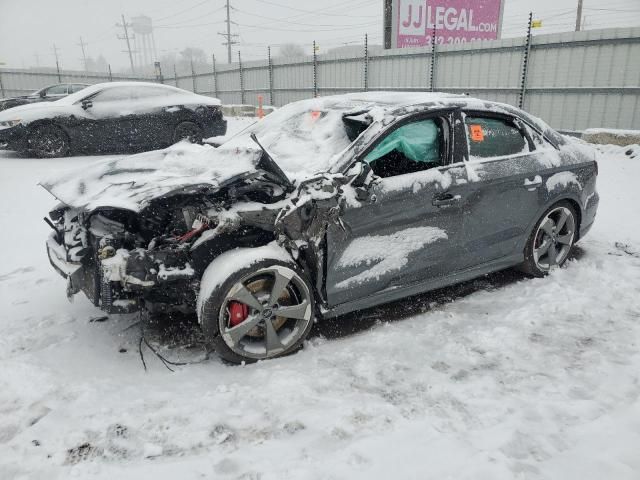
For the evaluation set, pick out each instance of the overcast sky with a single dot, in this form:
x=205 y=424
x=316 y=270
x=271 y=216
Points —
x=29 y=28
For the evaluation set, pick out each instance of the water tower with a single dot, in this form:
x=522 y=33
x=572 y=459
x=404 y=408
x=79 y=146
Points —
x=144 y=41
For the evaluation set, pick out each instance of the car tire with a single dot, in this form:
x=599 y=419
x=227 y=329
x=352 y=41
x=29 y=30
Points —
x=551 y=240
x=188 y=131
x=263 y=334
x=48 y=141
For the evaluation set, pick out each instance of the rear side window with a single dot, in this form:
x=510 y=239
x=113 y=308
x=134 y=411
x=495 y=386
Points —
x=76 y=87
x=57 y=90
x=150 y=92
x=113 y=94
x=493 y=137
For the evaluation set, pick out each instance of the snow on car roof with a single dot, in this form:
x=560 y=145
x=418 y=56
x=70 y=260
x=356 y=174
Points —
x=307 y=136
x=86 y=92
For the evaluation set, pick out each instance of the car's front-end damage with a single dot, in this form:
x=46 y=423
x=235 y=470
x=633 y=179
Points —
x=150 y=248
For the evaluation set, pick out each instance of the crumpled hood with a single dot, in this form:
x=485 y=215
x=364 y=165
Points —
x=132 y=182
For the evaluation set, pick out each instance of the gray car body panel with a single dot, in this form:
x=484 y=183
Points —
x=486 y=231
x=495 y=205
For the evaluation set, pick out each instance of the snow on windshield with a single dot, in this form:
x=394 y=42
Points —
x=302 y=137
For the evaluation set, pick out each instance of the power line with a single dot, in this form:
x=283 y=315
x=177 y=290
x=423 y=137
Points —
x=199 y=17
x=183 y=11
x=302 y=24
x=314 y=12
x=338 y=29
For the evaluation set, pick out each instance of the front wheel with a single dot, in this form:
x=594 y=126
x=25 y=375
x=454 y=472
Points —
x=48 y=141
x=551 y=241
x=264 y=309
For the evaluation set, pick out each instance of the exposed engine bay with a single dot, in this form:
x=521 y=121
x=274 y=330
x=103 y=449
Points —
x=153 y=259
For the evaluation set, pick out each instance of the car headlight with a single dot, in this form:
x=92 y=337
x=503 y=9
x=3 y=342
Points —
x=9 y=123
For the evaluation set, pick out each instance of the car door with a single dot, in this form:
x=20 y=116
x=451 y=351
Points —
x=407 y=225
x=104 y=120
x=504 y=168
x=152 y=120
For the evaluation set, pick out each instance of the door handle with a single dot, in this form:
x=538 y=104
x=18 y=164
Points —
x=532 y=184
x=444 y=199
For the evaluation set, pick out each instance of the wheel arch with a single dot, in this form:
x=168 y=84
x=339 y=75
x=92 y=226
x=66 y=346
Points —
x=47 y=122
x=247 y=237
x=570 y=197
x=244 y=237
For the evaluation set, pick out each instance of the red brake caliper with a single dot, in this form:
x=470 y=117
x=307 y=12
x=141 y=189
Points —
x=238 y=313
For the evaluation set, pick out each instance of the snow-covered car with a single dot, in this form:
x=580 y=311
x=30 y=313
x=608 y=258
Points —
x=112 y=117
x=324 y=207
x=46 y=94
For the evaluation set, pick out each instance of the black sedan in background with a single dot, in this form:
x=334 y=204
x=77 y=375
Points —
x=111 y=117
x=46 y=94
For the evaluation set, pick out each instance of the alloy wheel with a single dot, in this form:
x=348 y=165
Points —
x=266 y=313
x=554 y=238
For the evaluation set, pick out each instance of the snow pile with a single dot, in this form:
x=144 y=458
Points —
x=611 y=136
x=502 y=378
x=386 y=253
x=631 y=151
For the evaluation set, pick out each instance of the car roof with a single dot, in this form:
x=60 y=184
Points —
x=97 y=87
x=394 y=102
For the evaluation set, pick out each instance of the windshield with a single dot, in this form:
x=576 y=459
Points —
x=304 y=137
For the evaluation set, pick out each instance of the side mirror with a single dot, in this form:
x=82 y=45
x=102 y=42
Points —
x=364 y=177
x=86 y=104
x=43 y=93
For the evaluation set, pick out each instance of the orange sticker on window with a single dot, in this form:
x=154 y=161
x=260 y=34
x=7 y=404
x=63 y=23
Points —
x=477 y=134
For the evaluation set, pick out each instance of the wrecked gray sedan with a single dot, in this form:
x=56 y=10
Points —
x=324 y=207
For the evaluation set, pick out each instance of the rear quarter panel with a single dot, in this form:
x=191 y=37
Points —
x=569 y=175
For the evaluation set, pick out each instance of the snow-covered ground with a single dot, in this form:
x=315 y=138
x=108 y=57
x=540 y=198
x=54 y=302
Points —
x=504 y=377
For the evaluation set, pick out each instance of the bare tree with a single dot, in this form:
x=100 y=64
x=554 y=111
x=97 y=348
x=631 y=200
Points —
x=291 y=50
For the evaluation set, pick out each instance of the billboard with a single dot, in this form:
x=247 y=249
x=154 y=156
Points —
x=454 y=21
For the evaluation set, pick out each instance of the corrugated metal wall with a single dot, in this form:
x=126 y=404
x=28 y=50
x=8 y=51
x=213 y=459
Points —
x=23 y=82
x=575 y=80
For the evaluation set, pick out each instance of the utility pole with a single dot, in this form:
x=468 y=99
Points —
x=228 y=36
x=55 y=52
x=84 y=56
x=124 y=25
x=579 y=16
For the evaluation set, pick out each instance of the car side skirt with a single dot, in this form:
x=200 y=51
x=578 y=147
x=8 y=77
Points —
x=391 y=295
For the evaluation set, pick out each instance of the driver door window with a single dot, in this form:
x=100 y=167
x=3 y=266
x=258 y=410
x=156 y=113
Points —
x=410 y=148
x=111 y=103
x=56 y=91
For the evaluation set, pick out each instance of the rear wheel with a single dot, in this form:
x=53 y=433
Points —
x=261 y=311
x=187 y=131
x=551 y=241
x=48 y=141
